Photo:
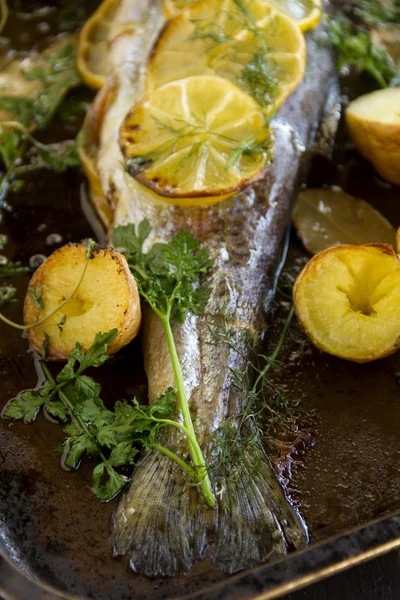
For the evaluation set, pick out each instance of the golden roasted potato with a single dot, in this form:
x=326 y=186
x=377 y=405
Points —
x=347 y=300
x=106 y=298
x=374 y=125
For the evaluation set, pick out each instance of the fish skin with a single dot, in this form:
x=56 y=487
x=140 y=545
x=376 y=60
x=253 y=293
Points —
x=160 y=521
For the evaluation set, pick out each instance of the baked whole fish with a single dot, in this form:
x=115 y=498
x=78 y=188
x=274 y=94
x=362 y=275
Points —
x=160 y=521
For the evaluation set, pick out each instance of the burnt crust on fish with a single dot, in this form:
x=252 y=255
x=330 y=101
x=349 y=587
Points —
x=161 y=521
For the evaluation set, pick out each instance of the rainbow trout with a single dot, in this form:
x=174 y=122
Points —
x=161 y=521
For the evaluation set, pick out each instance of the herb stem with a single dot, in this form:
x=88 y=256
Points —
x=195 y=450
x=74 y=414
x=182 y=463
x=277 y=349
x=4 y=14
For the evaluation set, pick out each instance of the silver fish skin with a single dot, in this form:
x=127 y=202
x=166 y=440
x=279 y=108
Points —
x=160 y=521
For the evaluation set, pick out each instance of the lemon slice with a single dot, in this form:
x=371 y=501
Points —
x=307 y=13
x=197 y=137
x=172 y=7
x=249 y=42
x=93 y=44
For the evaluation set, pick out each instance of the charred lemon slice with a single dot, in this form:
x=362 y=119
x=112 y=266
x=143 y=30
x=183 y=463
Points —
x=93 y=44
x=306 y=13
x=347 y=299
x=200 y=136
x=249 y=42
x=374 y=125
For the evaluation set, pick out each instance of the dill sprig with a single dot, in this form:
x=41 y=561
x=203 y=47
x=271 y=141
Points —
x=254 y=146
x=258 y=75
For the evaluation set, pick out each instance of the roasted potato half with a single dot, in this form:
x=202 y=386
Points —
x=347 y=300
x=106 y=298
x=374 y=125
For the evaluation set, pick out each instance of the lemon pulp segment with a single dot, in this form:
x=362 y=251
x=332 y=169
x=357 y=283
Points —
x=248 y=42
x=348 y=301
x=200 y=136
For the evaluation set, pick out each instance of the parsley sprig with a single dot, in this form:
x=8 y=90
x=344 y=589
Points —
x=57 y=74
x=114 y=437
x=356 y=49
x=167 y=277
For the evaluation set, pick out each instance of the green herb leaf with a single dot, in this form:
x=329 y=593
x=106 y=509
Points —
x=57 y=410
x=25 y=406
x=107 y=483
x=356 y=49
x=11 y=269
x=57 y=157
x=75 y=446
x=7 y=295
x=57 y=76
x=36 y=295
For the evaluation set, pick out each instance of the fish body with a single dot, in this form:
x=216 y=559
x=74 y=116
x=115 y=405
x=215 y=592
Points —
x=160 y=521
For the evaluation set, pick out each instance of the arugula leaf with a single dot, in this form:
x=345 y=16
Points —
x=7 y=295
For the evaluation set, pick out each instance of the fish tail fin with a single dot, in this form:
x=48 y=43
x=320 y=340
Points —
x=255 y=522
x=159 y=521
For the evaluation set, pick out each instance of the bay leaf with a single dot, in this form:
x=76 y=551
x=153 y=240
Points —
x=328 y=217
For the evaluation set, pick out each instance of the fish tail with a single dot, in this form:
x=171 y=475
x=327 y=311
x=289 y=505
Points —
x=255 y=522
x=164 y=527
x=158 y=520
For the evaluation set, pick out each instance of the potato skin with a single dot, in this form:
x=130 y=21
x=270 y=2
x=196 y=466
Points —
x=379 y=143
x=120 y=308
x=310 y=272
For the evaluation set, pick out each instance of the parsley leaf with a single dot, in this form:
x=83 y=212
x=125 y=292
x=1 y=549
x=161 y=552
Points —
x=57 y=76
x=356 y=49
x=25 y=406
x=168 y=279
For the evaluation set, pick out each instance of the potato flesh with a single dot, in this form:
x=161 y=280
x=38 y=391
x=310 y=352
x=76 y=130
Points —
x=348 y=301
x=107 y=298
x=374 y=125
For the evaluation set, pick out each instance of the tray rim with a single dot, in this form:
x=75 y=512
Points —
x=384 y=533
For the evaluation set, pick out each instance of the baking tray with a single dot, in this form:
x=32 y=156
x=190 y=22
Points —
x=340 y=470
